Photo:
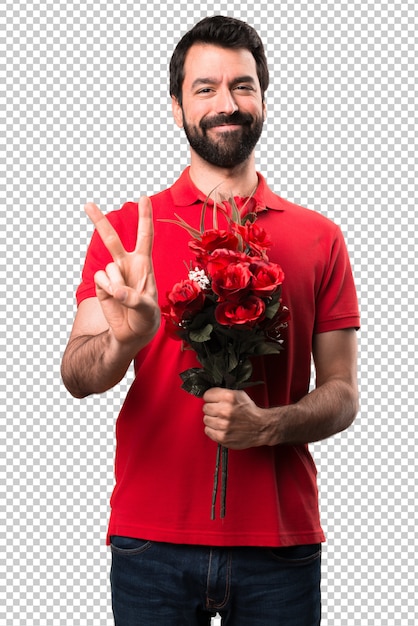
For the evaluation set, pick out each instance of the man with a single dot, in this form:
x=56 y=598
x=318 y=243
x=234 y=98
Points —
x=172 y=564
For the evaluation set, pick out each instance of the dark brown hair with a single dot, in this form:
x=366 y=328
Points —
x=225 y=32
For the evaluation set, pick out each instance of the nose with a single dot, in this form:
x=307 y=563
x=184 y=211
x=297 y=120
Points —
x=225 y=103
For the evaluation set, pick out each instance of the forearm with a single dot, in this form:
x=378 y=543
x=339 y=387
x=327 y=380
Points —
x=329 y=409
x=232 y=418
x=95 y=363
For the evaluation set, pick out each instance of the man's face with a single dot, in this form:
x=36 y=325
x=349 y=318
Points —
x=222 y=111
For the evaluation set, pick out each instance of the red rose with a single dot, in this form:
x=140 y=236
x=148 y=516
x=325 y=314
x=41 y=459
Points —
x=219 y=259
x=232 y=282
x=185 y=299
x=266 y=277
x=213 y=240
x=172 y=326
x=248 y=312
x=255 y=237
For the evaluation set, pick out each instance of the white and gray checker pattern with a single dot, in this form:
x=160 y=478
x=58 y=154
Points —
x=85 y=115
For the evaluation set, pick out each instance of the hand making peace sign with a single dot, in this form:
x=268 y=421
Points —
x=126 y=288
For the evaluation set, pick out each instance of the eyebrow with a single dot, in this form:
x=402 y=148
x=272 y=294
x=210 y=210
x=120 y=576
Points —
x=213 y=81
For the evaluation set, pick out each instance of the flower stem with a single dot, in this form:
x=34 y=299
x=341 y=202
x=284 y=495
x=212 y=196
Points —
x=221 y=466
x=224 y=480
x=215 y=481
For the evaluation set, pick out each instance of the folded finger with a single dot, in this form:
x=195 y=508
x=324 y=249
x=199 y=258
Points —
x=103 y=283
x=130 y=298
x=110 y=279
x=115 y=275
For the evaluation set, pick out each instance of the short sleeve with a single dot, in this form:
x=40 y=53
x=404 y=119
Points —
x=336 y=301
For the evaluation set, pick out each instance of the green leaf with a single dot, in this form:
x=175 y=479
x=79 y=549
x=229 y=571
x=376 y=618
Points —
x=181 y=222
x=202 y=216
x=243 y=373
x=218 y=367
x=271 y=310
x=250 y=217
x=269 y=347
x=234 y=211
x=201 y=334
x=233 y=358
x=195 y=381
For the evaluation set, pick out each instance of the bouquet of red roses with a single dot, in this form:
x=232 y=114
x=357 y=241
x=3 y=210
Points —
x=229 y=308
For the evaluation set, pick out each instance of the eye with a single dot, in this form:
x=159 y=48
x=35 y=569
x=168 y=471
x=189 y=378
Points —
x=244 y=88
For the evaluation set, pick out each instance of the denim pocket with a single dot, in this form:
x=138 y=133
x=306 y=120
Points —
x=297 y=555
x=128 y=546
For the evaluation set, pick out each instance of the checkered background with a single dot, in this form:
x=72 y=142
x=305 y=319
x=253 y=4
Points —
x=85 y=115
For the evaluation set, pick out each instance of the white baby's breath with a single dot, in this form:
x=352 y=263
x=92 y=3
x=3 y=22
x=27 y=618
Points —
x=198 y=276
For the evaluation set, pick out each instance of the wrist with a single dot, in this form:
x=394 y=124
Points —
x=129 y=347
x=271 y=431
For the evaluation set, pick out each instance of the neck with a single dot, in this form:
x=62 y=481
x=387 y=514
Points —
x=238 y=181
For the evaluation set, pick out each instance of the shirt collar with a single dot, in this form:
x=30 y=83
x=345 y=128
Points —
x=185 y=193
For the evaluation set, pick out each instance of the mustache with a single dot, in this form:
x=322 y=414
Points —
x=219 y=120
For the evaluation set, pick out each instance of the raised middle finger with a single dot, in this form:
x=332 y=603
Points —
x=145 y=233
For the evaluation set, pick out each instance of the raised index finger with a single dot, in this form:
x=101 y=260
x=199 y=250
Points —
x=145 y=234
x=106 y=231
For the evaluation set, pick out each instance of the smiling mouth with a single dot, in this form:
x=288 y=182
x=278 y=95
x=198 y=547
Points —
x=224 y=123
x=226 y=127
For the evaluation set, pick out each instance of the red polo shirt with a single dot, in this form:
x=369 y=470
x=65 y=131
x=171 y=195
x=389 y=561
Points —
x=164 y=463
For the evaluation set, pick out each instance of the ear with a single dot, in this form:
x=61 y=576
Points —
x=177 y=111
x=264 y=111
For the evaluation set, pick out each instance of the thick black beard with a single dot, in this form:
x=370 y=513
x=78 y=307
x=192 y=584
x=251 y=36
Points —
x=234 y=147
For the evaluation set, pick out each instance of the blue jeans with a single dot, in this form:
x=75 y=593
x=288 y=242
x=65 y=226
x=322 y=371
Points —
x=161 y=584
